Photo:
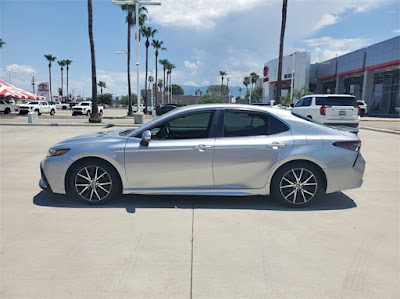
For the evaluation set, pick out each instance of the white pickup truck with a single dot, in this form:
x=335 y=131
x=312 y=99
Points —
x=61 y=106
x=85 y=108
x=37 y=106
x=6 y=106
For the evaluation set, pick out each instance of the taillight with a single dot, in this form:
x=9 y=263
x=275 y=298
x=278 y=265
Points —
x=350 y=145
x=359 y=110
x=322 y=110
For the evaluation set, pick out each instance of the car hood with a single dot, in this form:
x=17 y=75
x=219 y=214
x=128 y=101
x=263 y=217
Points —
x=90 y=138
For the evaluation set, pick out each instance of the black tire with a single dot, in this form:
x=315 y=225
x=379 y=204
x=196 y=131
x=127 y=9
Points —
x=64 y=108
x=362 y=112
x=73 y=114
x=101 y=113
x=82 y=187
x=7 y=111
x=52 y=112
x=88 y=113
x=297 y=184
x=38 y=112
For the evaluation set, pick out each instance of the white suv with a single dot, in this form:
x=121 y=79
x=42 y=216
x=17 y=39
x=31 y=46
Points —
x=330 y=109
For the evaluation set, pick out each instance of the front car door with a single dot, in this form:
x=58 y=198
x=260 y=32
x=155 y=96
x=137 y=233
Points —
x=252 y=143
x=179 y=155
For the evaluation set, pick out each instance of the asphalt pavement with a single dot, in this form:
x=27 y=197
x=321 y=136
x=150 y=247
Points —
x=344 y=246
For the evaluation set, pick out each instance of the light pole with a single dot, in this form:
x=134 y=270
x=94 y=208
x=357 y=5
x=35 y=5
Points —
x=137 y=3
x=33 y=82
x=292 y=75
x=151 y=87
x=227 y=87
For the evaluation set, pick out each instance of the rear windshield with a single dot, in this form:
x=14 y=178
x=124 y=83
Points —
x=336 y=101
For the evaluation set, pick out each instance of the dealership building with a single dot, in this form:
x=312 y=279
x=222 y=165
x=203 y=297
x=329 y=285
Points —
x=371 y=74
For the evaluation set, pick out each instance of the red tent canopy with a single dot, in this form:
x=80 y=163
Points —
x=8 y=90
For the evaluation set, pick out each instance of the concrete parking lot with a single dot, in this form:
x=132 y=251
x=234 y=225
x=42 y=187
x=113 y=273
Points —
x=344 y=246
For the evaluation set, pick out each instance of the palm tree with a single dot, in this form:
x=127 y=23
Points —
x=67 y=63
x=240 y=92
x=246 y=82
x=160 y=84
x=50 y=58
x=147 y=32
x=102 y=85
x=164 y=63
x=253 y=79
x=1 y=43
x=157 y=45
x=170 y=67
x=131 y=21
x=94 y=117
x=222 y=74
x=279 y=83
x=61 y=63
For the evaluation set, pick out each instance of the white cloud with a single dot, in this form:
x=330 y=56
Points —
x=16 y=68
x=325 y=20
x=189 y=65
x=199 y=13
x=205 y=83
x=190 y=83
x=396 y=31
x=327 y=47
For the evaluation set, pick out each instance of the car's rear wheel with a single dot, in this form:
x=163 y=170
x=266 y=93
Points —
x=94 y=181
x=297 y=184
x=362 y=112
x=52 y=112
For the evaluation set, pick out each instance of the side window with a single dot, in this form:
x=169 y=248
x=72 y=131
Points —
x=276 y=126
x=307 y=102
x=189 y=126
x=237 y=124
x=320 y=101
x=1 y=102
x=299 y=103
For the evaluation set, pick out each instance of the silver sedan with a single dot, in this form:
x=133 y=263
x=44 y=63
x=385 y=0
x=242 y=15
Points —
x=209 y=150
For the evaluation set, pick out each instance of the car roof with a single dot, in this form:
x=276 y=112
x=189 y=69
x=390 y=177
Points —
x=330 y=95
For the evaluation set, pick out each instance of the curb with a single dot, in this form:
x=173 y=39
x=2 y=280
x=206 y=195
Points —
x=380 y=130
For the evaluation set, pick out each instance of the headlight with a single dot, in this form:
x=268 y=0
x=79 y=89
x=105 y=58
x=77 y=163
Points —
x=57 y=152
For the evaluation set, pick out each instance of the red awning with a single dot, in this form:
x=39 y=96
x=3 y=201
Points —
x=8 y=90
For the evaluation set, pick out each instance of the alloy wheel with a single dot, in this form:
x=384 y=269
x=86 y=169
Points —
x=298 y=186
x=93 y=183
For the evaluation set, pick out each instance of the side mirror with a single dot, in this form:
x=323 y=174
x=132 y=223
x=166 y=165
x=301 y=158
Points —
x=146 y=137
x=292 y=105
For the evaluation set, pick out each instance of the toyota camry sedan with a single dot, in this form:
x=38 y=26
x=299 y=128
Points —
x=218 y=149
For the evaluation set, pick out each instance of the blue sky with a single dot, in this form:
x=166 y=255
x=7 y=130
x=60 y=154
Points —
x=202 y=37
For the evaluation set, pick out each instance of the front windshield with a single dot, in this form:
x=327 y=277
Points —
x=84 y=104
x=33 y=103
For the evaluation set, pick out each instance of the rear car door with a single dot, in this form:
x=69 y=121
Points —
x=252 y=143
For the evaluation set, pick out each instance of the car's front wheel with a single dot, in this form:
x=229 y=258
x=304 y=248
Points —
x=297 y=184
x=94 y=181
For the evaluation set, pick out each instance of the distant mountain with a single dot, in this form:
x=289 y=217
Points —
x=233 y=90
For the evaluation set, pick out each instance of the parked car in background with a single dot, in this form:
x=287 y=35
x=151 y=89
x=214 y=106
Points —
x=363 y=107
x=37 y=106
x=216 y=149
x=330 y=109
x=85 y=108
x=62 y=106
x=166 y=108
x=6 y=106
x=142 y=107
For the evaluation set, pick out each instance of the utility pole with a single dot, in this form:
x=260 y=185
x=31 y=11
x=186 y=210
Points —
x=33 y=83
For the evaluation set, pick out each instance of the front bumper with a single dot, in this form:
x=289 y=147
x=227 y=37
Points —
x=53 y=171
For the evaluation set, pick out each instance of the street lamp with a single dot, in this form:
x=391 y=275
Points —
x=136 y=3
x=292 y=75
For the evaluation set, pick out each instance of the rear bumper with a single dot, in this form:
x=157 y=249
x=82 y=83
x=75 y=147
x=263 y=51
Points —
x=345 y=178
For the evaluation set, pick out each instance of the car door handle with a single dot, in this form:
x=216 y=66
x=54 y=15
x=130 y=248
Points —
x=275 y=144
x=202 y=147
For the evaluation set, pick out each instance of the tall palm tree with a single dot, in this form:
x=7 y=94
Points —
x=102 y=85
x=157 y=45
x=147 y=32
x=50 y=58
x=61 y=63
x=246 y=82
x=170 y=67
x=253 y=79
x=131 y=21
x=94 y=117
x=164 y=63
x=222 y=74
x=279 y=83
x=67 y=63
x=2 y=43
